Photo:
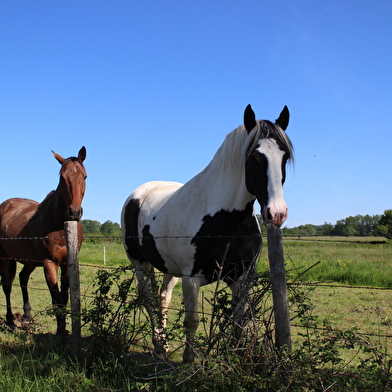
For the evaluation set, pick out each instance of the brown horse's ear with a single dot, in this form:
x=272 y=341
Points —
x=82 y=154
x=58 y=157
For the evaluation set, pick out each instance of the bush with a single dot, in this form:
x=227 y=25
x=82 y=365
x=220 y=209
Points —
x=224 y=363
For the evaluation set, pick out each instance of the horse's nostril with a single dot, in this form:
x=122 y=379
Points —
x=74 y=215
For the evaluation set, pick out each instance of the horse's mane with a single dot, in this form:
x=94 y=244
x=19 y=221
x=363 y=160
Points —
x=240 y=143
x=47 y=196
x=266 y=129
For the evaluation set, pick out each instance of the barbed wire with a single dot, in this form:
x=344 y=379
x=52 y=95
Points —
x=177 y=237
x=332 y=285
x=294 y=283
x=111 y=238
x=200 y=313
x=187 y=236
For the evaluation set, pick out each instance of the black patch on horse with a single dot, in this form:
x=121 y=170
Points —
x=256 y=178
x=131 y=239
x=148 y=250
x=240 y=230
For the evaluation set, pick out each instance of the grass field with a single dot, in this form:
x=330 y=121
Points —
x=361 y=265
x=350 y=262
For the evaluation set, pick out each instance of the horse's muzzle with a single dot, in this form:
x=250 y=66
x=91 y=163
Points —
x=74 y=214
x=275 y=217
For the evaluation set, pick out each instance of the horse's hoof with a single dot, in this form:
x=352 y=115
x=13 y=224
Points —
x=10 y=327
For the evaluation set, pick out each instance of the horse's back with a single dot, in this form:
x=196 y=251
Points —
x=15 y=213
x=140 y=210
x=147 y=199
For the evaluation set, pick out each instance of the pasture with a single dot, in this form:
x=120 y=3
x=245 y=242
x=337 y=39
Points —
x=355 y=261
x=361 y=264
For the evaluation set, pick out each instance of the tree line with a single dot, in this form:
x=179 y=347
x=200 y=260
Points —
x=97 y=232
x=359 y=225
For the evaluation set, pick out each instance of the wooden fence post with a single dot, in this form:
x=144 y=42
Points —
x=279 y=287
x=71 y=237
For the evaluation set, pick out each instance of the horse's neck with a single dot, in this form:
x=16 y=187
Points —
x=53 y=209
x=222 y=184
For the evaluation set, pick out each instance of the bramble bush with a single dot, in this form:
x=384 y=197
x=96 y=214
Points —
x=119 y=357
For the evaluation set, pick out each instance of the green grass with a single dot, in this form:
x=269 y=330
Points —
x=349 y=261
x=97 y=254
x=353 y=261
x=37 y=361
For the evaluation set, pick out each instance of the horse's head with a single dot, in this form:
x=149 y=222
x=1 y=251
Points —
x=72 y=183
x=265 y=166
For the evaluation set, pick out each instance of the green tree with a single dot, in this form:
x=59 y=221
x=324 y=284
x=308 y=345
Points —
x=110 y=229
x=367 y=224
x=352 y=225
x=309 y=229
x=327 y=229
x=385 y=224
x=90 y=226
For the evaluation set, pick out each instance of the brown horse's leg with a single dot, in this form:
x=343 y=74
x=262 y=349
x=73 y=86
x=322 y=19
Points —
x=24 y=277
x=51 y=276
x=64 y=283
x=8 y=271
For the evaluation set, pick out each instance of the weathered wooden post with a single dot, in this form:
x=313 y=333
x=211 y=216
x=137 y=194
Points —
x=279 y=287
x=71 y=237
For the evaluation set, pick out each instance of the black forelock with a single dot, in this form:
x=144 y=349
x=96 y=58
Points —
x=272 y=131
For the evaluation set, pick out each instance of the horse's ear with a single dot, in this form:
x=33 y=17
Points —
x=283 y=120
x=249 y=118
x=58 y=157
x=82 y=154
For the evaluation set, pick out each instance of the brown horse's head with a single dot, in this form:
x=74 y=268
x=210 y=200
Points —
x=72 y=184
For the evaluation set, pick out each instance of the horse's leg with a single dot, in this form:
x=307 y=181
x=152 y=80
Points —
x=64 y=283
x=24 y=277
x=190 y=290
x=146 y=282
x=64 y=293
x=51 y=276
x=169 y=282
x=240 y=294
x=8 y=271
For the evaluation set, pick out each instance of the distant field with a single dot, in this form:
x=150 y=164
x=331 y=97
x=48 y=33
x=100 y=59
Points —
x=353 y=261
x=361 y=240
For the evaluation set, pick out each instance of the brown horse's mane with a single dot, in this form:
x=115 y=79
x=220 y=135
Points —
x=48 y=195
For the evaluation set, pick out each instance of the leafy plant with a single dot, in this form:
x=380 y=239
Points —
x=113 y=317
x=228 y=364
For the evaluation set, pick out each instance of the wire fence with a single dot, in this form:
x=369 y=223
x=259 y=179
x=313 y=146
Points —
x=37 y=283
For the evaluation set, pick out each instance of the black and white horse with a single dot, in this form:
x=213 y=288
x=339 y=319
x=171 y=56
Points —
x=207 y=229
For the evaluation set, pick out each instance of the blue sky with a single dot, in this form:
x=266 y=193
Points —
x=152 y=88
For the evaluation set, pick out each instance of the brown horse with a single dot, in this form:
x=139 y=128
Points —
x=33 y=234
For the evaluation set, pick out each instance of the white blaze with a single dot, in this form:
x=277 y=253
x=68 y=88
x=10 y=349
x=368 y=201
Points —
x=276 y=209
